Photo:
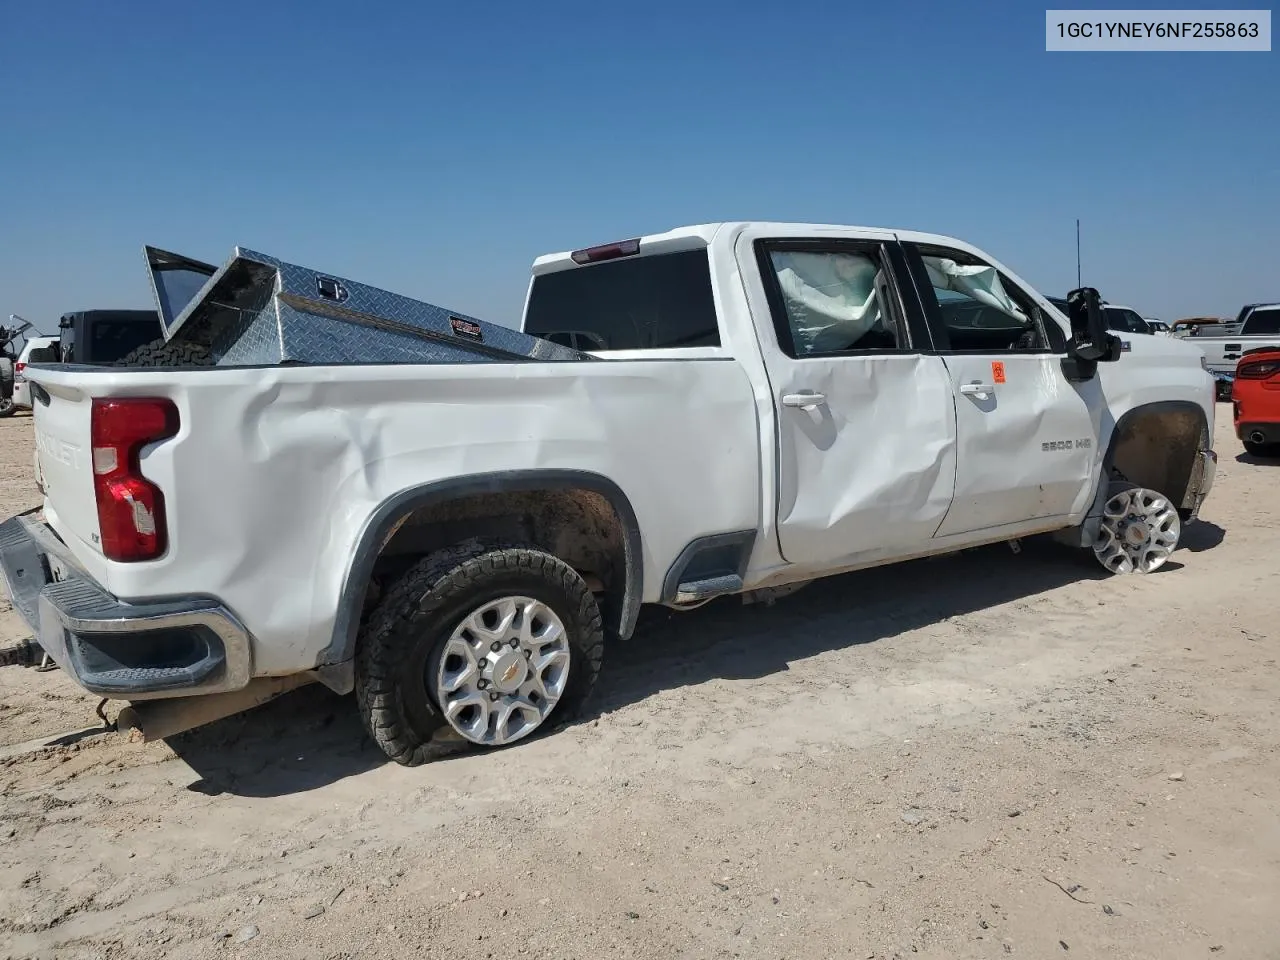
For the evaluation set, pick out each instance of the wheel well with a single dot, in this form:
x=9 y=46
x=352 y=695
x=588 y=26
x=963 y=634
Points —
x=578 y=526
x=1155 y=446
x=583 y=518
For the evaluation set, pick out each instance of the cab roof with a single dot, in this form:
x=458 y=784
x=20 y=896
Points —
x=703 y=234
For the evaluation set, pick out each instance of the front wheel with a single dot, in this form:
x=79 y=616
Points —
x=477 y=643
x=1138 y=532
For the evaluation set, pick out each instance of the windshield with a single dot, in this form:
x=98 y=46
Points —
x=1126 y=321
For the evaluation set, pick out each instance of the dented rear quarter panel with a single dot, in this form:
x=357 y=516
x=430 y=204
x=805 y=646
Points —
x=277 y=470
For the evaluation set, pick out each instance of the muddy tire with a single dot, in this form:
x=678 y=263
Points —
x=158 y=353
x=409 y=673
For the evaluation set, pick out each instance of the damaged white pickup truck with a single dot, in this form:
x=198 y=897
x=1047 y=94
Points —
x=312 y=479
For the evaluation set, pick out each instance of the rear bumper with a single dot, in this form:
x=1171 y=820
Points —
x=130 y=651
x=1258 y=431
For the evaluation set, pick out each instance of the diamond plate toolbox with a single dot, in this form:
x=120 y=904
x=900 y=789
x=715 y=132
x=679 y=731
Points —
x=258 y=310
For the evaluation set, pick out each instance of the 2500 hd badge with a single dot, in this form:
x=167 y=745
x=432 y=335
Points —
x=1082 y=444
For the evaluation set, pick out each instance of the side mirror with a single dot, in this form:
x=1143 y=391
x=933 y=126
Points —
x=1091 y=341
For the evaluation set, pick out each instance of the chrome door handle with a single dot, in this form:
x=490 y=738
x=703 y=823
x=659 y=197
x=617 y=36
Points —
x=970 y=389
x=805 y=401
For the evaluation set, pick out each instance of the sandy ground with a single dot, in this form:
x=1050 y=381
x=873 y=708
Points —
x=981 y=756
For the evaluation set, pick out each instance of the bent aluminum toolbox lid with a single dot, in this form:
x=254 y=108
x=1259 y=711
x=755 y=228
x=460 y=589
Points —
x=258 y=310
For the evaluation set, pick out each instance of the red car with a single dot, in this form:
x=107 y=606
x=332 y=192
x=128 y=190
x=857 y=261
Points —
x=1255 y=399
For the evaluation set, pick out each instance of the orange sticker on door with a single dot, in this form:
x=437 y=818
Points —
x=997 y=371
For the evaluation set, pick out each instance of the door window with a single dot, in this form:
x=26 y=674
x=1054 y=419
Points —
x=832 y=300
x=977 y=309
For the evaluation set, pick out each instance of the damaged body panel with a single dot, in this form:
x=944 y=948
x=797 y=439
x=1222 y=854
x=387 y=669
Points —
x=761 y=405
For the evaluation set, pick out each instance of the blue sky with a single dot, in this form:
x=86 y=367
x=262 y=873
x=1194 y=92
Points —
x=436 y=149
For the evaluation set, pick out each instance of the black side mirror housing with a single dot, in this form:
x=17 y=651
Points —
x=1091 y=342
x=1088 y=329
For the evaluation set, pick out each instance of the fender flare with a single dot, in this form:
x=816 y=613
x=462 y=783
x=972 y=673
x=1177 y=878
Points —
x=1183 y=488
x=1146 y=409
x=334 y=663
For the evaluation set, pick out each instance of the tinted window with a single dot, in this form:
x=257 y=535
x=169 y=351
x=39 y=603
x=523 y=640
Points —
x=1136 y=323
x=43 y=355
x=177 y=287
x=113 y=339
x=1126 y=321
x=1263 y=321
x=638 y=303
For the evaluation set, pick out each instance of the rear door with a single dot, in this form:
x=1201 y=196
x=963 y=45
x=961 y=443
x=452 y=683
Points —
x=1026 y=435
x=866 y=423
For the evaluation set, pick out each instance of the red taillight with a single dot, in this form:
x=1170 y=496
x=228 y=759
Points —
x=130 y=507
x=607 y=251
x=1258 y=370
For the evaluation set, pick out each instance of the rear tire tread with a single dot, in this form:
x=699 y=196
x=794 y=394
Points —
x=160 y=353
x=436 y=580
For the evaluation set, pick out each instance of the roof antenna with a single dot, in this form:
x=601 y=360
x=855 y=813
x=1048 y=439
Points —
x=1078 y=283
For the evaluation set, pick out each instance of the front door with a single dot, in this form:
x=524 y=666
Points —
x=1026 y=435
x=866 y=420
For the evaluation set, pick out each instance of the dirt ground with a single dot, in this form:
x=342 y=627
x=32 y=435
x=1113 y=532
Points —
x=988 y=755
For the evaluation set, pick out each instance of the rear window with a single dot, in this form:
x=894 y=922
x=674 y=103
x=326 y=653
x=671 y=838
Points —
x=640 y=303
x=43 y=355
x=114 y=339
x=1263 y=322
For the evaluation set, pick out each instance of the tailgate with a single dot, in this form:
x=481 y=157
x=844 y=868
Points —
x=1214 y=351
x=64 y=461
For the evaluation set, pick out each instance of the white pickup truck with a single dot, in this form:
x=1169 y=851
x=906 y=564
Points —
x=756 y=405
x=1256 y=326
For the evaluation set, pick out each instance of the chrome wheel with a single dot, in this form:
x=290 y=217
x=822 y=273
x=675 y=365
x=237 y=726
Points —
x=1138 y=533
x=503 y=670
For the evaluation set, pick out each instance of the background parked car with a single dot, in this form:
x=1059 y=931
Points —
x=1119 y=318
x=1189 y=325
x=37 y=350
x=1255 y=401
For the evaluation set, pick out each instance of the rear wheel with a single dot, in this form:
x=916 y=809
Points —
x=6 y=407
x=478 y=644
x=1261 y=449
x=1139 y=530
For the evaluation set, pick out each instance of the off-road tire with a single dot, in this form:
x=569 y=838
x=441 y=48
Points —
x=7 y=407
x=1264 y=450
x=399 y=644
x=158 y=353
